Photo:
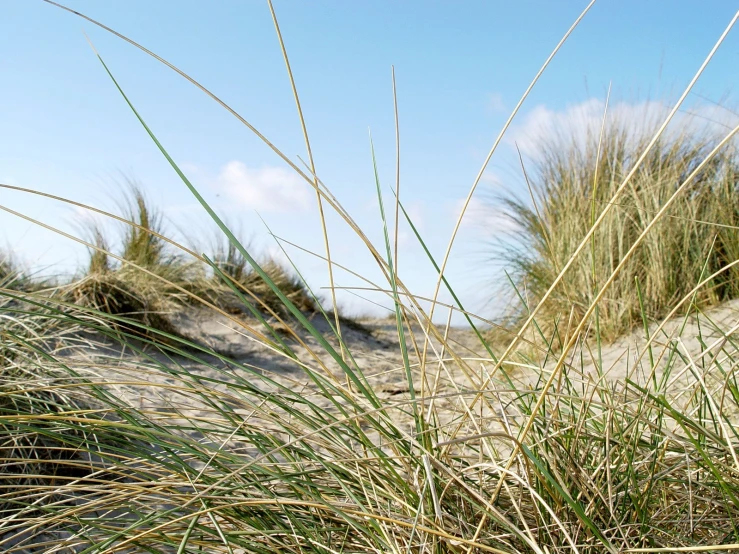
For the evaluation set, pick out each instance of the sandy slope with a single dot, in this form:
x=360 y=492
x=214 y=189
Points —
x=693 y=345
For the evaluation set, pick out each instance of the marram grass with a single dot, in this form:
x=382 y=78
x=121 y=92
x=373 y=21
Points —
x=113 y=439
x=572 y=179
x=152 y=277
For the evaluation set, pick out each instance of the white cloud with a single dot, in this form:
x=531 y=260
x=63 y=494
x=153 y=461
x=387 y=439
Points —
x=274 y=252
x=483 y=218
x=415 y=211
x=191 y=168
x=491 y=177
x=406 y=236
x=189 y=209
x=583 y=120
x=9 y=180
x=266 y=189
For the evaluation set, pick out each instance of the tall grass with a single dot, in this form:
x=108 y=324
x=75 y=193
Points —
x=144 y=281
x=12 y=274
x=231 y=268
x=572 y=178
x=176 y=448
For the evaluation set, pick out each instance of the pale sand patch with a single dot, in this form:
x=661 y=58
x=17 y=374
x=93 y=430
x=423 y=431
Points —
x=695 y=348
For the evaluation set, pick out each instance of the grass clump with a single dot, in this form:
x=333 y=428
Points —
x=117 y=294
x=144 y=281
x=12 y=275
x=149 y=277
x=234 y=270
x=288 y=283
x=573 y=179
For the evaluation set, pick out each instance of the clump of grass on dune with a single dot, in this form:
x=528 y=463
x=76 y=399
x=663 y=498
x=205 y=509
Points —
x=573 y=178
x=150 y=277
x=117 y=295
x=143 y=247
x=234 y=270
x=288 y=283
x=12 y=275
x=144 y=282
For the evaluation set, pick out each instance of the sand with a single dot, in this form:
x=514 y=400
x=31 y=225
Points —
x=152 y=382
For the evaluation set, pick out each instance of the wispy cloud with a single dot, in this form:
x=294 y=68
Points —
x=485 y=219
x=277 y=254
x=84 y=218
x=406 y=237
x=415 y=212
x=491 y=178
x=265 y=189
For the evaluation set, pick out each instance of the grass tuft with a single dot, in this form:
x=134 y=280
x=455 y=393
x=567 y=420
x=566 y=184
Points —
x=571 y=175
x=12 y=275
x=235 y=270
x=145 y=284
x=117 y=294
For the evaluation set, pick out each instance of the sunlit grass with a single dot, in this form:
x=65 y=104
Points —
x=114 y=440
x=570 y=178
x=12 y=274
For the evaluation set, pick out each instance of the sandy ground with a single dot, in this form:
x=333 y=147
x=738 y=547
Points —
x=239 y=355
x=453 y=374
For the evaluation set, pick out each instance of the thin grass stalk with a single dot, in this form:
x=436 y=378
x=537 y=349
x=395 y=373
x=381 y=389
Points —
x=593 y=220
x=313 y=172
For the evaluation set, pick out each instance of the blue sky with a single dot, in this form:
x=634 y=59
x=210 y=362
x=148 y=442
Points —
x=460 y=67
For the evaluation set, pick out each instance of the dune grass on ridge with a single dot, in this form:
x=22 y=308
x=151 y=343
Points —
x=150 y=277
x=572 y=178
